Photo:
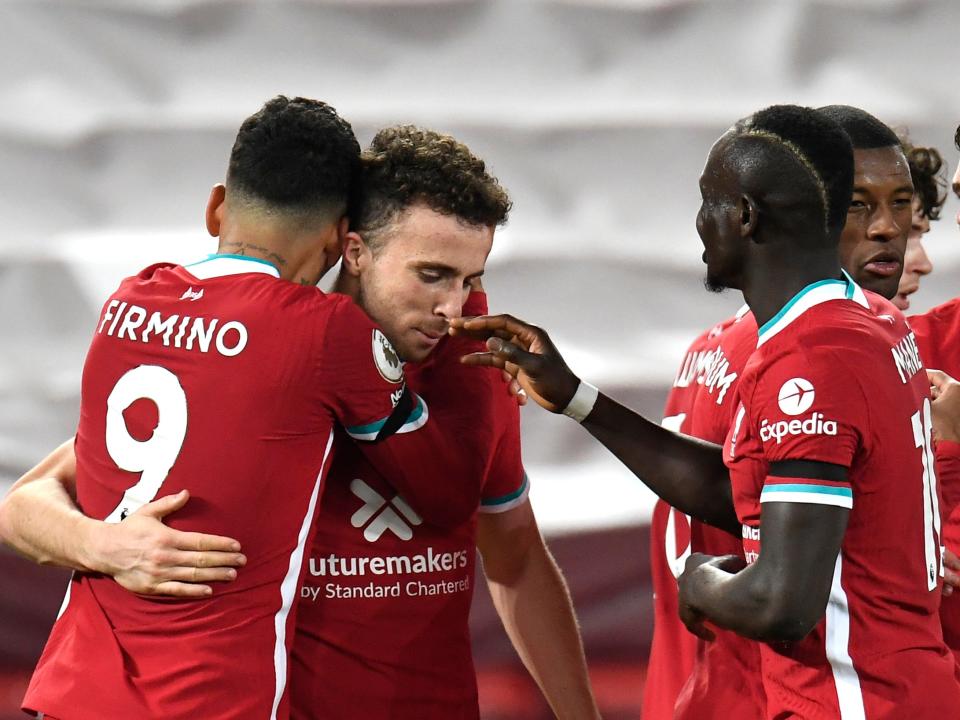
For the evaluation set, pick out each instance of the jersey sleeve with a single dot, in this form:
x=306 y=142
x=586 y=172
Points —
x=364 y=379
x=435 y=449
x=506 y=485
x=807 y=406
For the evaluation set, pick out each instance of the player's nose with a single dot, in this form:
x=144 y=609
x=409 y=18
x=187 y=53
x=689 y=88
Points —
x=449 y=304
x=883 y=224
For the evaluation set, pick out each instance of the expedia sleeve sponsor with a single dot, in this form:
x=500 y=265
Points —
x=816 y=424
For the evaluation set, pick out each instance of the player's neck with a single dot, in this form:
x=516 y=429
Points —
x=773 y=284
x=297 y=260
x=348 y=285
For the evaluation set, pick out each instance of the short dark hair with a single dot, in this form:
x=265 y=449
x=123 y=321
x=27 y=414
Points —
x=806 y=154
x=929 y=177
x=295 y=156
x=956 y=138
x=864 y=130
x=406 y=165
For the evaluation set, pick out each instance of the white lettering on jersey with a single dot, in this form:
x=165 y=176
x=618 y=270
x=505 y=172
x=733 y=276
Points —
x=709 y=368
x=132 y=322
x=906 y=356
x=813 y=425
x=430 y=561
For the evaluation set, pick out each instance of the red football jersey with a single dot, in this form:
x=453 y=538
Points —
x=382 y=629
x=220 y=378
x=688 y=678
x=938 y=337
x=837 y=378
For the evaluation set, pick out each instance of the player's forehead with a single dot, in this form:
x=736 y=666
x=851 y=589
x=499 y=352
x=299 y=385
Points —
x=881 y=171
x=716 y=168
x=423 y=236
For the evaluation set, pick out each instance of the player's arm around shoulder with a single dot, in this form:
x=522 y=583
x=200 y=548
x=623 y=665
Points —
x=40 y=519
x=534 y=605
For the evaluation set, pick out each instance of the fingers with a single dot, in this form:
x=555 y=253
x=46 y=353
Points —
x=499 y=325
x=201 y=542
x=696 y=624
x=509 y=352
x=950 y=559
x=205 y=560
x=480 y=359
x=190 y=570
x=162 y=507
x=179 y=589
x=938 y=379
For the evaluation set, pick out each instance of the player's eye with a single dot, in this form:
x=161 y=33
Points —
x=429 y=276
x=857 y=205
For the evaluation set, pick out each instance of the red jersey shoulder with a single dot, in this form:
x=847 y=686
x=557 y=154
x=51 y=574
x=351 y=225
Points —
x=801 y=390
x=702 y=400
x=715 y=359
x=938 y=335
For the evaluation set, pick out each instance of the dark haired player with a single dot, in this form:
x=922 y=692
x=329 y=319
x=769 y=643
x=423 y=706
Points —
x=386 y=592
x=829 y=457
x=383 y=627
x=927 y=170
x=696 y=679
x=227 y=378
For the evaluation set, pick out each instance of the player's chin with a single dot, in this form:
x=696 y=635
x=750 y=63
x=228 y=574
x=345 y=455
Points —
x=417 y=348
x=714 y=283
x=887 y=286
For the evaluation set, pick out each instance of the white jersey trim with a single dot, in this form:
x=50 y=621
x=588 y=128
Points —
x=222 y=265
x=66 y=598
x=837 y=631
x=288 y=588
x=492 y=506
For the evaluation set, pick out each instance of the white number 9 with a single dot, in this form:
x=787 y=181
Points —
x=152 y=458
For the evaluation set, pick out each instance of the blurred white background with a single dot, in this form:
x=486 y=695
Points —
x=117 y=115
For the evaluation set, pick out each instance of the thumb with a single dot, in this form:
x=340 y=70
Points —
x=162 y=507
x=938 y=378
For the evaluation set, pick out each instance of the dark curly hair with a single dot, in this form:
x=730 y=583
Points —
x=406 y=165
x=295 y=156
x=929 y=177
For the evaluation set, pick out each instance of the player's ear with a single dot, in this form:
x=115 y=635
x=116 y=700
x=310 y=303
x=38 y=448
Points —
x=355 y=253
x=749 y=217
x=214 y=212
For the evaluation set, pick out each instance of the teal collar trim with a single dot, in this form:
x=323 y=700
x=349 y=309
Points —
x=813 y=294
x=221 y=264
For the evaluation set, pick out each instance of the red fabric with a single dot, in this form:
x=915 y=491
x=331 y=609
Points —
x=383 y=629
x=257 y=426
x=688 y=678
x=900 y=666
x=938 y=337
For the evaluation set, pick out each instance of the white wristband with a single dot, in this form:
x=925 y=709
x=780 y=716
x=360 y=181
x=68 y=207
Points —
x=582 y=402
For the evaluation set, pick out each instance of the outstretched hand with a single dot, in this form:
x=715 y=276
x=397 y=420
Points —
x=945 y=392
x=525 y=352
x=145 y=556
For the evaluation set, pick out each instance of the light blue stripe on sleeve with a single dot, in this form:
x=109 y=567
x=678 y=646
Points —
x=369 y=431
x=804 y=493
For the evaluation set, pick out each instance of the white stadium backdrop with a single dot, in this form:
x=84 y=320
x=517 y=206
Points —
x=116 y=116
